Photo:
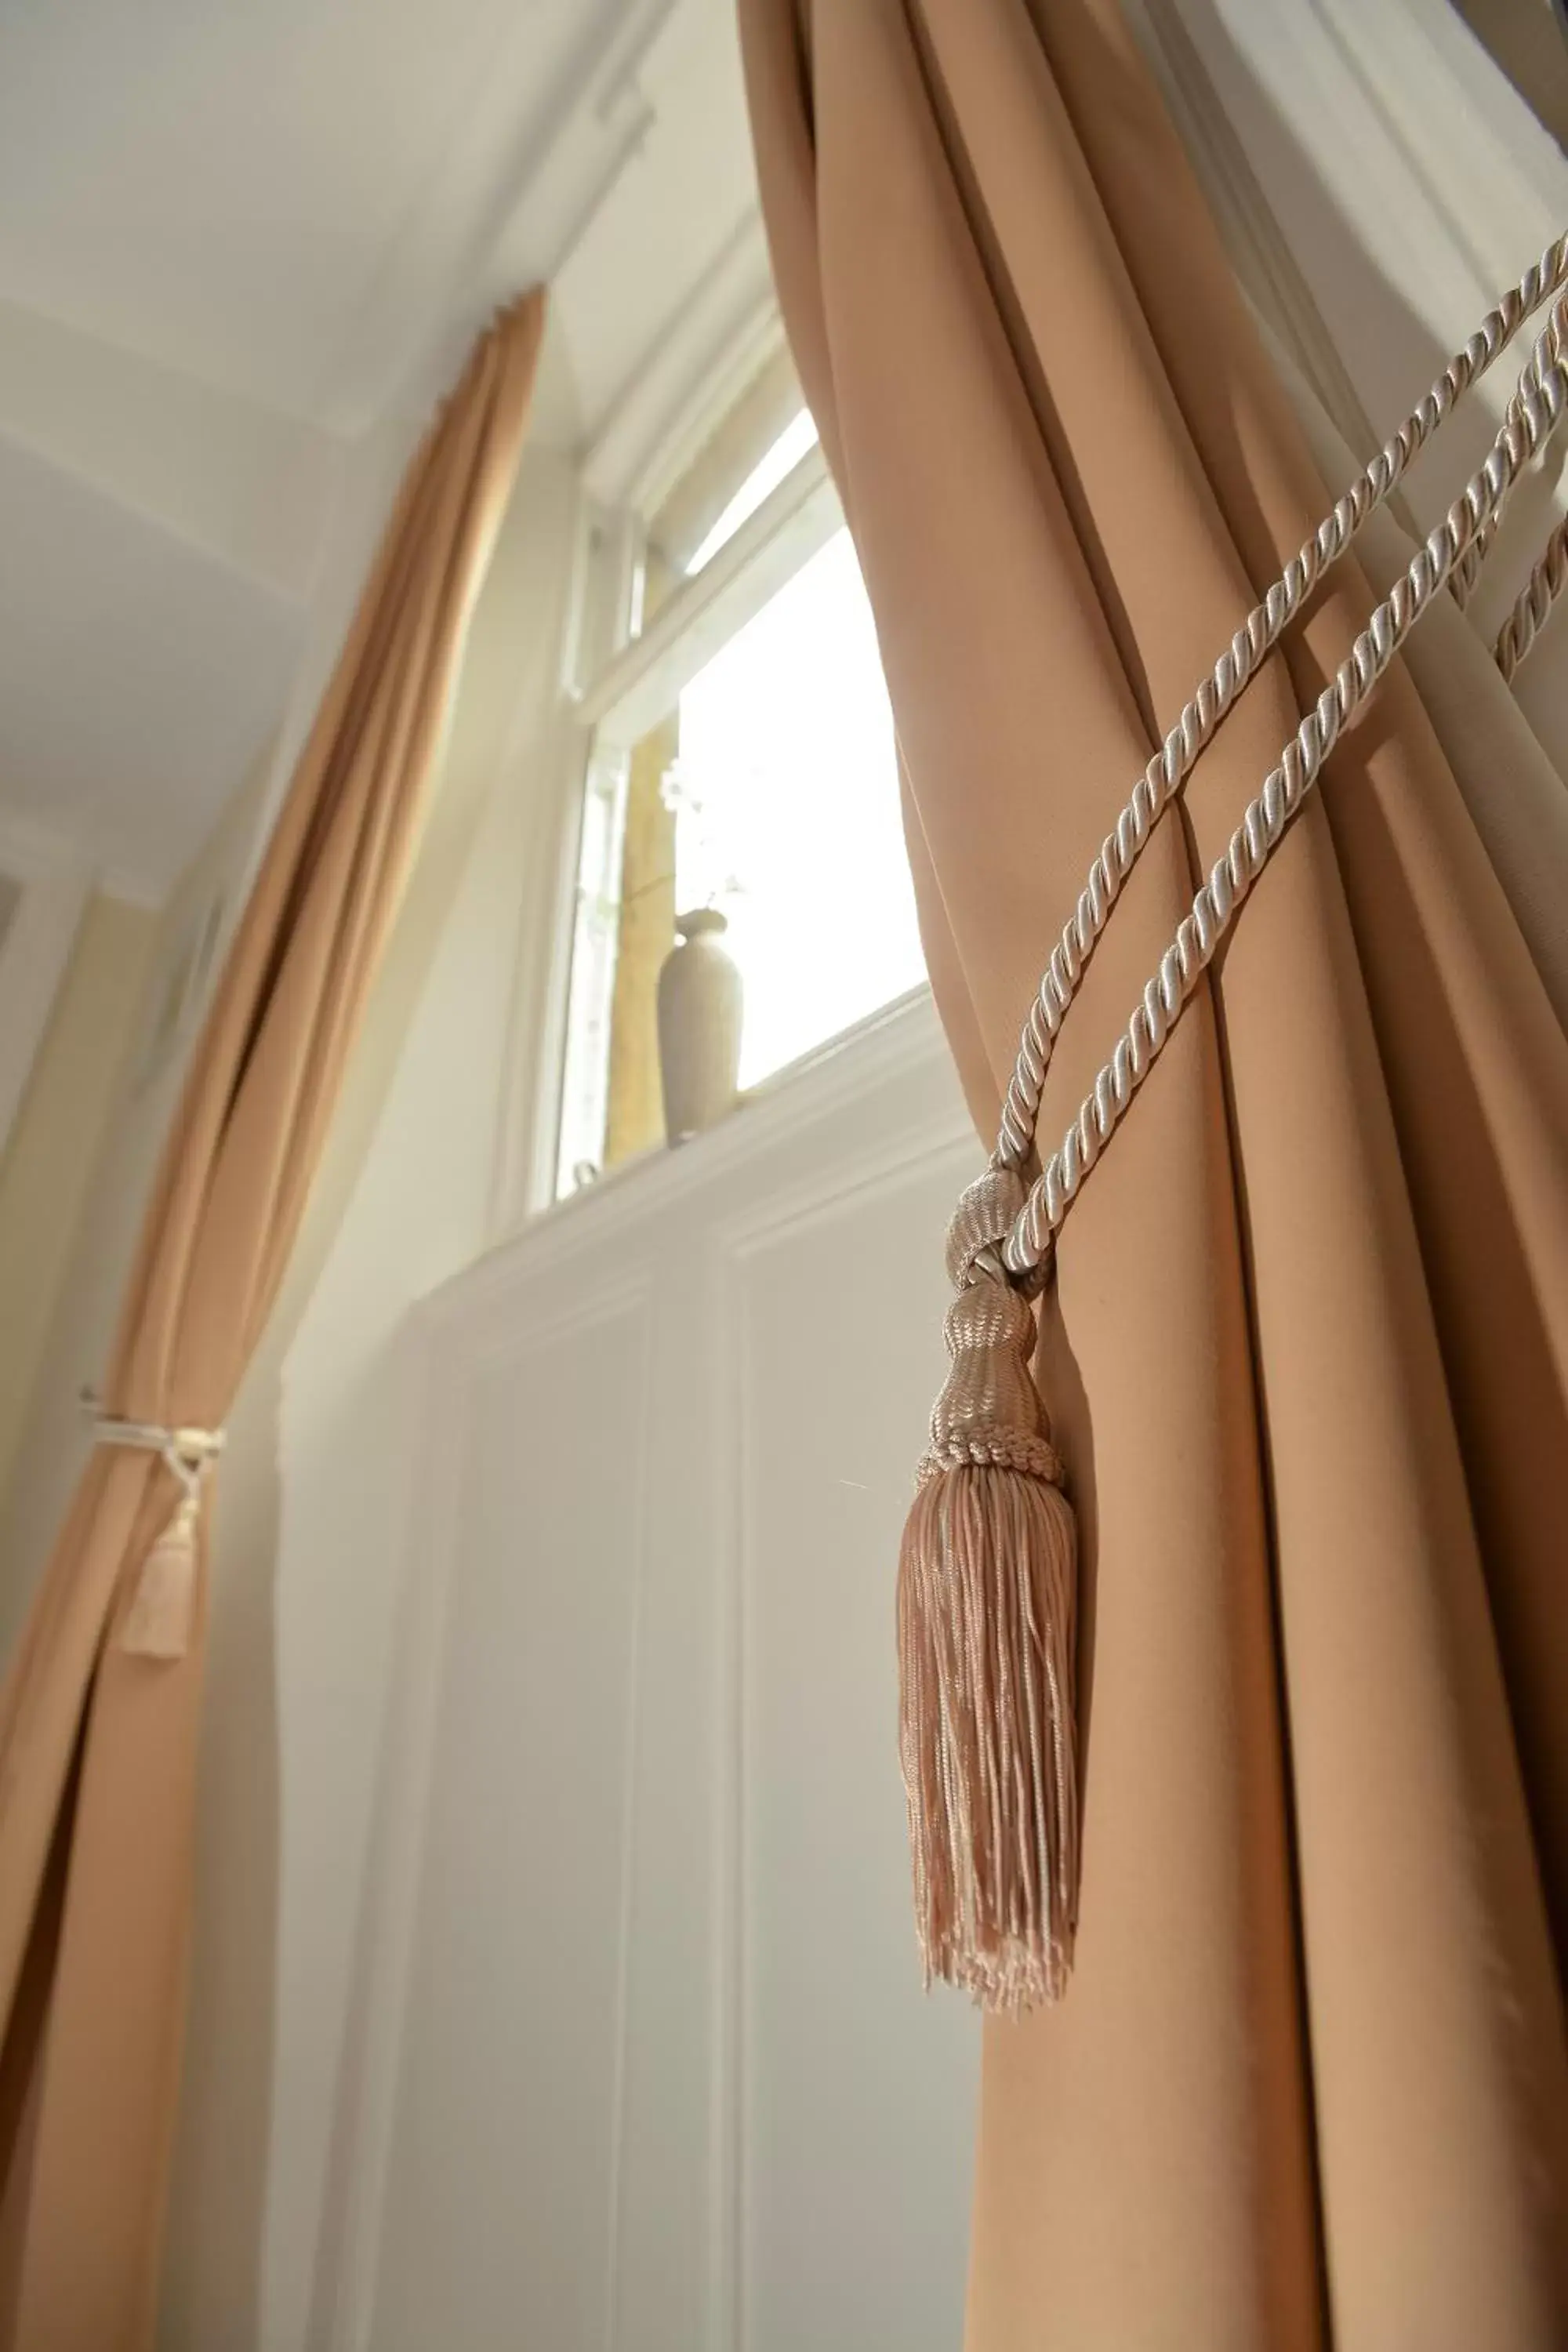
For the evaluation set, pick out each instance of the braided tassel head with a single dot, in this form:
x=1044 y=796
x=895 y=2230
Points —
x=987 y=1627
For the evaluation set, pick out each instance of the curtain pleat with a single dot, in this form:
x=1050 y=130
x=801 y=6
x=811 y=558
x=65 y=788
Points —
x=1307 y=1351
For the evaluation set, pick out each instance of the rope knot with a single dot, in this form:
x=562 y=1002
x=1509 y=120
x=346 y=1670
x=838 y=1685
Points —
x=996 y=1449
x=987 y=1212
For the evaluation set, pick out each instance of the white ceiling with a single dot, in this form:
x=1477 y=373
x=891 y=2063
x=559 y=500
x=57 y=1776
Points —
x=223 y=188
x=234 y=238
x=140 y=669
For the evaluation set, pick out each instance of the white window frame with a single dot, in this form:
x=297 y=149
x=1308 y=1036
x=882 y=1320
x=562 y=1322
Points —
x=625 y=680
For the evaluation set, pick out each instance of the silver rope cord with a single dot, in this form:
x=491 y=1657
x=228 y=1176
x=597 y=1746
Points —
x=1534 y=602
x=1232 y=673
x=1541 y=402
x=1467 y=570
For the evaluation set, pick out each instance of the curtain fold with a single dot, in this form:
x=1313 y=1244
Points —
x=97 y=1745
x=1307 y=1351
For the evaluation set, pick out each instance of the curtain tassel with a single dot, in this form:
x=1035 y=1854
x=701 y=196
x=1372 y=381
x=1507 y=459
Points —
x=158 y=1621
x=987 y=1631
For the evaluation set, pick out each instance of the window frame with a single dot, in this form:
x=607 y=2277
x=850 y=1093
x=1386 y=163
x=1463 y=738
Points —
x=620 y=678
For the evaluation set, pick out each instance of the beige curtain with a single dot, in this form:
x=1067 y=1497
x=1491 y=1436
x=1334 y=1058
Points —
x=1307 y=1350
x=97 y=1746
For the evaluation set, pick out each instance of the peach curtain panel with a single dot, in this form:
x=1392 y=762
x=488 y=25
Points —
x=1307 y=1352
x=97 y=1746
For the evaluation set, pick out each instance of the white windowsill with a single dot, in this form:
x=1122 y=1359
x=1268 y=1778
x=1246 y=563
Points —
x=901 y=1037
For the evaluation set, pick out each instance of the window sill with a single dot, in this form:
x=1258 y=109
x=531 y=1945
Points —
x=901 y=1041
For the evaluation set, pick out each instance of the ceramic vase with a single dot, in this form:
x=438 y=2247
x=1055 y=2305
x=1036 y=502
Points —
x=699 y=1005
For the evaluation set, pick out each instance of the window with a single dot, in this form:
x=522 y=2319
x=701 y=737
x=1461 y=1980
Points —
x=775 y=467
x=743 y=758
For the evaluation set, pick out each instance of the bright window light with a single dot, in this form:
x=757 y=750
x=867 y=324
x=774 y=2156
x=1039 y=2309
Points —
x=797 y=437
x=786 y=792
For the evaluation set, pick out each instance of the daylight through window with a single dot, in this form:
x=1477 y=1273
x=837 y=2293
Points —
x=767 y=789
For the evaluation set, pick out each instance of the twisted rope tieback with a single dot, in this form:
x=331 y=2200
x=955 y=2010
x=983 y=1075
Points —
x=1469 y=568
x=1535 y=409
x=1534 y=602
x=1235 y=670
x=987 y=1610
x=188 y=1450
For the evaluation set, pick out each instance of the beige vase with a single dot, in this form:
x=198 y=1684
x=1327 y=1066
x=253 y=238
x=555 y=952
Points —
x=699 y=1007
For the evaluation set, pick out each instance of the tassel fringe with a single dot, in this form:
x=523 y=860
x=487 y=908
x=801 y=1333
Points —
x=987 y=1634
x=158 y=1621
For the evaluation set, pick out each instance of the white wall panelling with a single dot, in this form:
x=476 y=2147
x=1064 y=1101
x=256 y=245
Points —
x=647 y=2066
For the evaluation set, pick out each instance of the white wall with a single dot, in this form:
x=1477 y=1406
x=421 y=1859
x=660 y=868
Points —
x=646 y=2066
x=313 y=1487
x=46 y=1160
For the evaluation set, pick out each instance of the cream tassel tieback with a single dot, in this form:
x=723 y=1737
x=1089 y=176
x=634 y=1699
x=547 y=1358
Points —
x=158 y=1621
x=988 y=1575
